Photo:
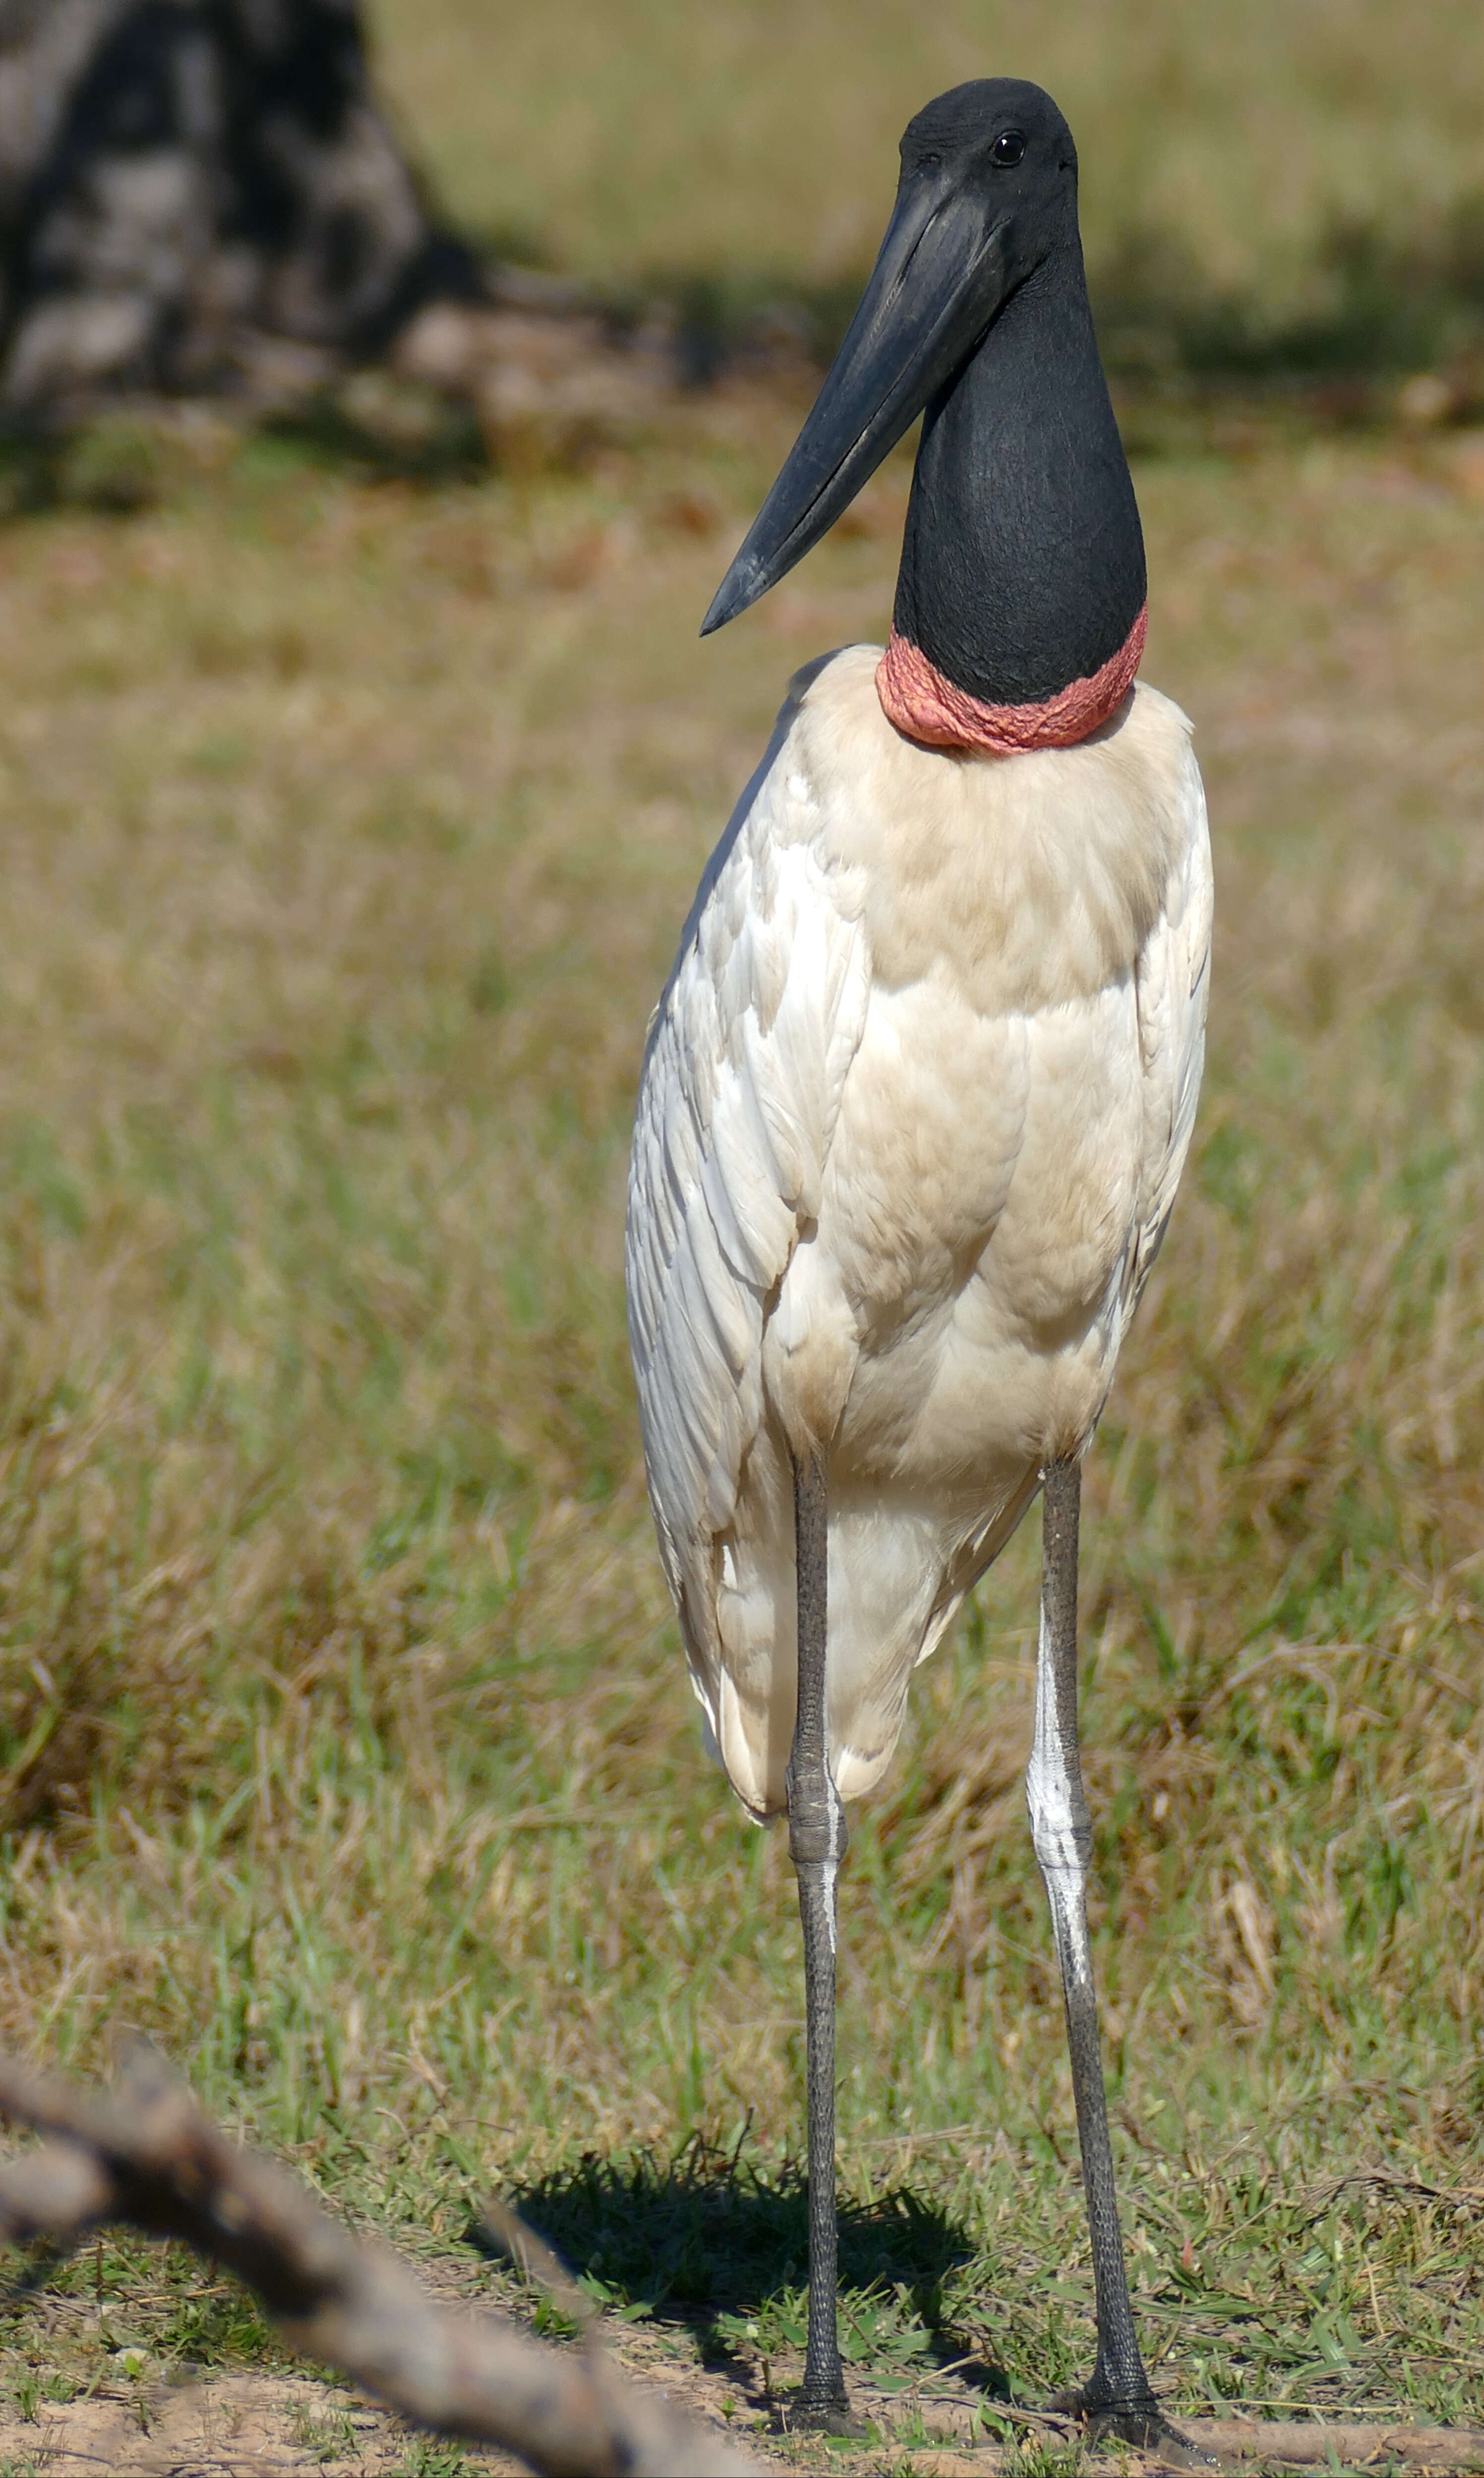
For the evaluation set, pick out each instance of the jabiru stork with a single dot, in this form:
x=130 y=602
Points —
x=919 y=1089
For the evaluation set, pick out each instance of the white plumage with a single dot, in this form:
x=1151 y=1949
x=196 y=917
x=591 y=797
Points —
x=915 y=1106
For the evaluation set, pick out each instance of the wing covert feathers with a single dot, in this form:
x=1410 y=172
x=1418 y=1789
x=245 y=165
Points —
x=743 y=1079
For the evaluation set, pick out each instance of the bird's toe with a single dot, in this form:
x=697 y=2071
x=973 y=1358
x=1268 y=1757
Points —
x=1140 y=2424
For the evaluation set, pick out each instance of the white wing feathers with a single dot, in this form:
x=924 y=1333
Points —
x=1171 y=987
x=748 y=1059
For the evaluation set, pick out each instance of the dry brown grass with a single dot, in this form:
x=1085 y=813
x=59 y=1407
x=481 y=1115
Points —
x=345 y=1745
x=342 y=1738
x=757 y=138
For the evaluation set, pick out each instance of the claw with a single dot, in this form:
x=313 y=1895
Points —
x=1140 y=2423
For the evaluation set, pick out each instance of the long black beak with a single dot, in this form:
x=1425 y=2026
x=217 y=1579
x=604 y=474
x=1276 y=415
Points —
x=938 y=280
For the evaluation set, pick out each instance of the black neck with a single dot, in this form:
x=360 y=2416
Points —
x=1022 y=561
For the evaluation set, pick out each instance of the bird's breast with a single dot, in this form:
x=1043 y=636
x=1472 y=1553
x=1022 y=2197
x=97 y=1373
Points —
x=955 y=1304
x=977 y=1208
x=1026 y=880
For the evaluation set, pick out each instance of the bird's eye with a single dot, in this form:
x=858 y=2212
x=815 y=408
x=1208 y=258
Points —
x=1009 y=146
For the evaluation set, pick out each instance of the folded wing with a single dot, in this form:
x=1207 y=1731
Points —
x=1172 y=985
x=743 y=1078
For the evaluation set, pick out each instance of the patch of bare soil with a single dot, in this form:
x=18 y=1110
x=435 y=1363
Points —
x=251 y=2425
x=257 y=2424
x=222 y=2426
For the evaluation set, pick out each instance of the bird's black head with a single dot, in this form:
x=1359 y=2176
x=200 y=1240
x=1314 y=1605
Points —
x=1001 y=147
x=986 y=202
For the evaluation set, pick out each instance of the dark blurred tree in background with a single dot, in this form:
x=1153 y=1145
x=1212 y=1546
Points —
x=201 y=196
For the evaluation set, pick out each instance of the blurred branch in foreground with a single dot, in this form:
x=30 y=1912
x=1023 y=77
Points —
x=144 y=2154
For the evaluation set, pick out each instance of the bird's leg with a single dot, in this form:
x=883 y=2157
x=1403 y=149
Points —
x=1119 y=2400
x=816 y=1845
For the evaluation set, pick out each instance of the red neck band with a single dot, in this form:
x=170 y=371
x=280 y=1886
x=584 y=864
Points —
x=925 y=706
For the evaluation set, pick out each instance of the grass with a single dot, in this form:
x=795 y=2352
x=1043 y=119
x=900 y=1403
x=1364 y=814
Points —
x=343 y=1740
x=1264 y=185
x=346 y=1742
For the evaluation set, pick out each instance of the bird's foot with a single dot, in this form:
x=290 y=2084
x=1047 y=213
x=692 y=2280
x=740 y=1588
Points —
x=821 y=2411
x=1140 y=2423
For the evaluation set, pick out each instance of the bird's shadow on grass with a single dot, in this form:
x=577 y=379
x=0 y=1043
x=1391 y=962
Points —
x=709 y=2239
